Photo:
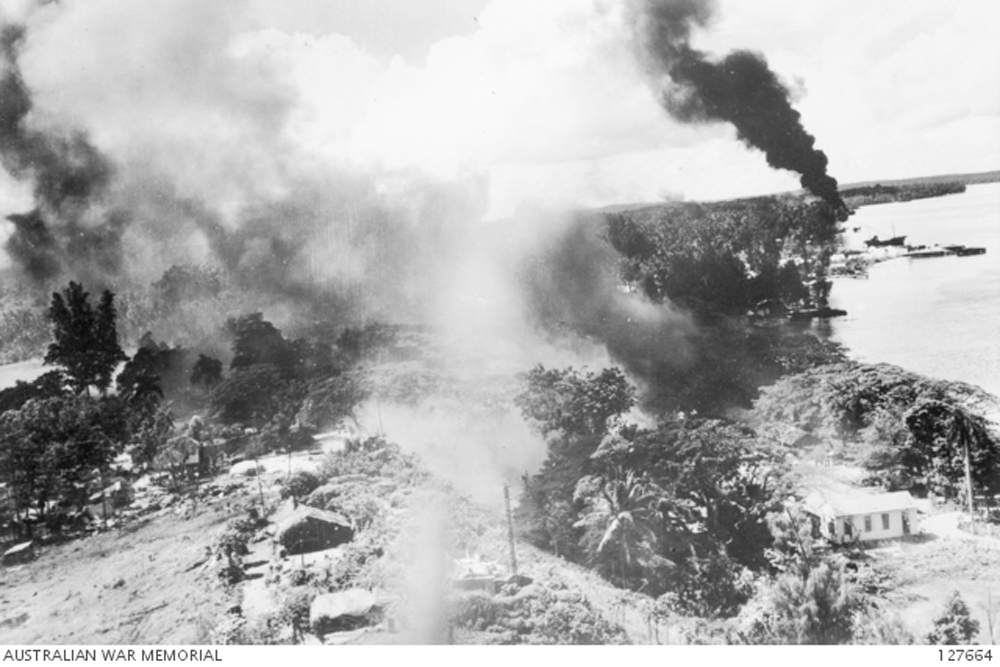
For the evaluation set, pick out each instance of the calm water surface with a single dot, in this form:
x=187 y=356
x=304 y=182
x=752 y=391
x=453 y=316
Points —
x=936 y=316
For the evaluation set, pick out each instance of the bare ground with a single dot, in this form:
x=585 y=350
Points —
x=150 y=582
x=143 y=584
x=924 y=574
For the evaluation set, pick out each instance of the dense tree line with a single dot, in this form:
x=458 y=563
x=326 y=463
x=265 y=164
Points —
x=57 y=438
x=731 y=266
x=867 y=195
x=730 y=256
x=910 y=432
x=60 y=433
x=680 y=508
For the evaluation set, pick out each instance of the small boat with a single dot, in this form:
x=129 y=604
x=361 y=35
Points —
x=812 y=313
x=929 y=252
x=964 y=251
x=875 y=242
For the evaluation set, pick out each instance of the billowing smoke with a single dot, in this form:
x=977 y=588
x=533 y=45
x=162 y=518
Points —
x=188 y=158
x=575 y=289
x=67 y=175
x=740 y=89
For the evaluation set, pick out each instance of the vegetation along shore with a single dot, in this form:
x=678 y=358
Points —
x=227 y=482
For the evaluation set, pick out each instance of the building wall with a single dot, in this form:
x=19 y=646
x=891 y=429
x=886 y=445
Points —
x=877 y=532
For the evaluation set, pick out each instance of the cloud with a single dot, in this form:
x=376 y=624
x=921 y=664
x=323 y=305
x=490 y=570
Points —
x=894 y=89
x=544 y=100
x=165 y=83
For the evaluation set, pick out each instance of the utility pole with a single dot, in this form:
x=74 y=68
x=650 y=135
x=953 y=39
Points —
x=510 y=529
x=968 y=487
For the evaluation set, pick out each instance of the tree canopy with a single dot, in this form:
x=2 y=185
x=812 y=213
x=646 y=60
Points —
x=85 y=339
x=50 y=447
x=954 y=625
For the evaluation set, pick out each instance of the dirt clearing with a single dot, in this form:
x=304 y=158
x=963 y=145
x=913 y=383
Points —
x=143 y=584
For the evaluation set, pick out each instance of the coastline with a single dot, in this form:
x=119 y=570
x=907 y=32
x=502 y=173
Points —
x=934 y=316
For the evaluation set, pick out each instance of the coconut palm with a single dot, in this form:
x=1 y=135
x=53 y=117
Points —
x=956 y=444
x=621 y=521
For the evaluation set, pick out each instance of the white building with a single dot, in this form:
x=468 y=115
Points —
x=844 y=518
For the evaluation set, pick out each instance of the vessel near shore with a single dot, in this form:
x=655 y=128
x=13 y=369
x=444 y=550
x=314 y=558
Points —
x=942 y=251
x=965 y=251
x=889 y=317
x=874 y=242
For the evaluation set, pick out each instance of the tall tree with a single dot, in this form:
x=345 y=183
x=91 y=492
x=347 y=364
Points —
x=620 y=522
x=719 y=482
x=945 y=438
x=50 y=447
x=573 y=411
x=257 y=341
x=86 y=340
x=139 y=383
x=206 y=372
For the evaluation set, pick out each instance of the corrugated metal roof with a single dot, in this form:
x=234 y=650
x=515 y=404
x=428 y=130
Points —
x=852 y=505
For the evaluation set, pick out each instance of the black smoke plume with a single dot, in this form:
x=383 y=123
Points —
x=740 y=89
x=281 y=227
x=67 y=175
x=574 y=288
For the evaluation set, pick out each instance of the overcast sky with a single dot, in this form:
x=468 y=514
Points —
x=543 y=99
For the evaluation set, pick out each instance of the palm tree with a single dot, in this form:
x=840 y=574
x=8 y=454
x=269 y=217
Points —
x=621 y=522
x=966 y=433
x=956 y=443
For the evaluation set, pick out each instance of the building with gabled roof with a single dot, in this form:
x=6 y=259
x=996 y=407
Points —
x=843 y=517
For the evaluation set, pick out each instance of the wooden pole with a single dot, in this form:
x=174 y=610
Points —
x=104 y=502
x=968 y=487
x=510 y=529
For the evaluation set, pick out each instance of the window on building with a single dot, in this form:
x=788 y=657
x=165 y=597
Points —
x=848 y=528
x=885 y=522
x=868 y=524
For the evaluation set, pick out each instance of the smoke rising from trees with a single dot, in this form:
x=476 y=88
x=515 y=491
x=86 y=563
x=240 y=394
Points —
x=180 y=151
x=67 y=175
x=175 y=141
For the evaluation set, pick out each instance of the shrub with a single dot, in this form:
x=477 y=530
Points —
x=300 y=484
x=373 y=456
x=300 y=576
x=711 y=587
x=230 y=631
x=954 y=625
x=475 y=610
x=362 y=508
x=818 y=608
x=562 y=618
x=294 y=611
x=238 y=534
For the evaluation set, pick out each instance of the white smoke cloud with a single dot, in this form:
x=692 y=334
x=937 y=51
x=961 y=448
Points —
x=476 y=453
x=226 y=109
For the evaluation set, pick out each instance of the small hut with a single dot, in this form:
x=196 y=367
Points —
x=309 y=529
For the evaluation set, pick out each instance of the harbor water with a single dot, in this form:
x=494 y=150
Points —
x=936 y=316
